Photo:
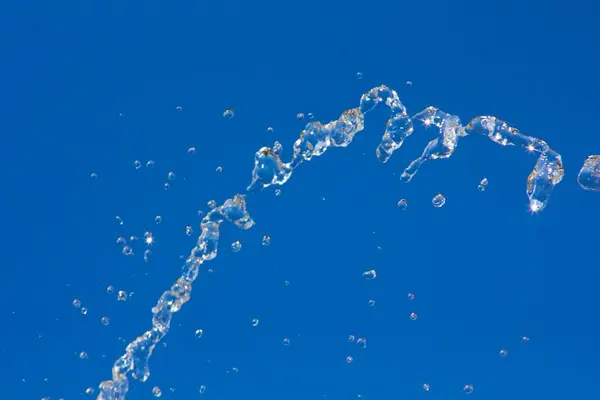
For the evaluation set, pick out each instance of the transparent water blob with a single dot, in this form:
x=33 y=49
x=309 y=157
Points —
x=200 y=213
x=219 y=169
x=266 y=240
x=188 y=230
x=236 y=246
x=349 y=359
x=270 y=129
x=191 y=150
x=199 y=333
x=110 y=289
x=211 y=204
x=150 y=164
x=370 y=275
x=438 y=201
x=156 y=392
x=371 y=303
x=503 y=353
x=311 y=116
x=84 y=310
x=105 y=321
x=589 y=175
x=255 y=322
x=93 y=176
x=359 y=75
x=228 y=114
x=277 y=148
x=147 y=254
x=158 y=219
x=137 y=164
x=119 y=220
x=525 y=339
x=76 y=303
x=167 y=186
x=482 y=185
x=468 y=389
x=351 y=338
x=300 y=116
x=83 y=355
x=409 y=83
x=426 y=387
x=277 y=192
x=413 y=316
x=402 y=205
x=361 y=342
x=286 y=342
x=411 y=296
x=122 y=295
x=179 y=108
x=171 y=176
x=202 y=389
x=127 y=251
x=89 y=391
x=121 y=240
x=286 y=283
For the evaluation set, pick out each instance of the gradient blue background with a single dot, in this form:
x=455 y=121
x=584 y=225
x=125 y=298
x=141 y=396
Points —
x=484 y=270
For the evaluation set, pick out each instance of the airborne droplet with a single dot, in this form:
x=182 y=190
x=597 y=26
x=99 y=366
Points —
x=438 y=201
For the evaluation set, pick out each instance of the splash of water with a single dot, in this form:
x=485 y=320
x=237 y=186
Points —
x=589 y=174
x=314 y=141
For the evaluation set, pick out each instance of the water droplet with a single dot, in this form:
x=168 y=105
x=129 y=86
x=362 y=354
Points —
x=137 y=164
x=438 y=201
x=266 y=240
x=148 y=238
x=157 y=219
x=147 y=254
x=121 y=240
x=199 y=333
x=105 y=321
x=156 y=391
x=110 y=289
x=482 y=185
x=286 y=283
x=349 y=359
x=277 y=192
x=589 y=174
x=84 y=310
x=411 y=296
x=371 y=303
x=270 y=130
x=277 y=148
x=351 y=338
x=525 y=339
x=89 y=391
x=119 y=220
x=167 y=186
x=188 y=230
x=122 y=295
x=202 y=389
x=409 y=83
x=402 y=205
x=370 y=275
x=311 y=116
x=300 y=116
x=413 y=316
x=286 y=342
x=228 y=114
x=171 y=176
x=76 y=303
x=83 y=355
x=211 y=204
x=236 y=246
x=359 y=75
x=192 y=150
x=150 y=164
x=219 y=169
x=426 y=387
x=179 y=108
x=127 y=251
x=255 y=322
x=200 y=213
x=93 y=176
x=361 y=342
x=468 y=389
x=503 y=353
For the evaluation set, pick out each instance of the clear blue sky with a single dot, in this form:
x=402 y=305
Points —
x=485 y=272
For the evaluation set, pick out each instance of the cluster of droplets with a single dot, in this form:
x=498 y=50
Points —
x=314 y=140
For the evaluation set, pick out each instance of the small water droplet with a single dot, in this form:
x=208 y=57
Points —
x=147 y=254
x=119 y=220
x=219 y=169
x=121 y=240
x=426 y=387
x=93 y=176
x=122 y=295
x=236 y=246
x=179 y=108
x=191 y=151
x=255 y=322
x=370 y=275
x=402 y=205
x=137 y=164
x=525 y=339
x=286 y=342
x=270 y=130
x=266 y=240
x=84 y=310
x=211 y=204
x=83 y=355
x=127 y=251
x=277 y=148
x=359 y=75
x=311 y=116
x=351 y=338
x=411 y=296
x=228 y=114
x=110 y=289
x=349 y=359
x=300 y=116
x=438 y=201
x=150 y=164
x=482 y=185
x=188 y=230
x=413 y=316
x=157 y=219
x=277 y=192
x=371 y=303
x=503 y=353
x=76 y=303
x=361 y=342
x=468 y=389
x=199 y=333
x=409 y=83
x=167 y=186
x=202 y=389
x=105 y=321
x=171 y=176
x=156 y=391
x=89 y=391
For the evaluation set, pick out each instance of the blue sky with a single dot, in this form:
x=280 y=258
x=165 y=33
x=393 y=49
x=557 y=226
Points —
x=485 y=272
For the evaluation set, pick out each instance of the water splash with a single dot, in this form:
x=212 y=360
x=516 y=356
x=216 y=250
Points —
x=314 y=141
x=589 y=175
